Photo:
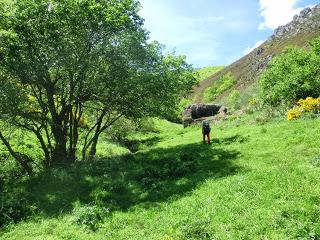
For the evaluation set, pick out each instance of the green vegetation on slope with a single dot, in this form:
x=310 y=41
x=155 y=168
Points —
x=248 y=68
x=254 y=181
x=291 y=76
x=226 y=82
x=206 y=72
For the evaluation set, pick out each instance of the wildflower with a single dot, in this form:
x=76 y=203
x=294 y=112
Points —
x=310 y=104
x=307 y=105
x=294 y=113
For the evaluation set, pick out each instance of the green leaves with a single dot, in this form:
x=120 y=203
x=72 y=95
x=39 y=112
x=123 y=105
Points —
x=81 y=58
x=291 y=76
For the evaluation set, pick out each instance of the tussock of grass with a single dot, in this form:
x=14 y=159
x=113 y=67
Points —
x=253 y=182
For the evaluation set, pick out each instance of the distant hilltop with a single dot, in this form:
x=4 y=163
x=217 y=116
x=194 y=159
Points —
x=308 y=19
x=299 y=32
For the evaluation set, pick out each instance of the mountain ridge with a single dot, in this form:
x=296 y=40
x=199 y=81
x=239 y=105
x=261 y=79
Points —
x=299 y=32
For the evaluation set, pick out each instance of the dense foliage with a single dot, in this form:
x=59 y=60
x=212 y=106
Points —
x=291 y=76
x=70 y=69
x=226 y=82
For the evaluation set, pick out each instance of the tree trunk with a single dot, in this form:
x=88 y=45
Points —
x=60 y=155
x=22 y=160
x=93 y=148
x=94 y=141
x=100 y=128
x=44 y=148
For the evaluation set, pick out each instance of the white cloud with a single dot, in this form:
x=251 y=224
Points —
x=277 y=12
x=250 y=49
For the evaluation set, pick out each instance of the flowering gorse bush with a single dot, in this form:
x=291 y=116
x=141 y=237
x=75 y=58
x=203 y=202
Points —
x=308 y=105
x=294 y=113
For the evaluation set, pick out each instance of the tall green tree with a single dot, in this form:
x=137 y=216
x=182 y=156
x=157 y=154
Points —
x=67 y=62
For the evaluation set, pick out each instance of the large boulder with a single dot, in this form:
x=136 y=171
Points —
x=198 y=111
x=203 y=110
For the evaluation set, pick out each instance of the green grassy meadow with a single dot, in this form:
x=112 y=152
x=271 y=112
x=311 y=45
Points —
x=206 y=72
x=256 y=181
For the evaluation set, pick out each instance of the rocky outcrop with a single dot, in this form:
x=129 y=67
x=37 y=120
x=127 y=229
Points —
x=198 y=111
x=307 y=19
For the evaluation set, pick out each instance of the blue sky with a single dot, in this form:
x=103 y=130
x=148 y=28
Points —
x=215 y=32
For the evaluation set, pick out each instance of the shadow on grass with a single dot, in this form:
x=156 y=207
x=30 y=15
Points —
x=233 y=139
x=134 y=145
x=145 y=178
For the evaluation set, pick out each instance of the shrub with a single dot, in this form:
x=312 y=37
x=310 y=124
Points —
x=14 y=208
x=294 y=114
x=233 y=99
x=304 y=106
x=184 y=102
x=290 y=76
x=146 y=125
x=89 y=216
x=226 y=82
x=310 y=104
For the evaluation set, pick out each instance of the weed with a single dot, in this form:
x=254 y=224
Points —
x=89 y=216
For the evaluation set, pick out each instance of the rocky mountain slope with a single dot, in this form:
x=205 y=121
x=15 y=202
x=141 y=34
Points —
x=303 y=28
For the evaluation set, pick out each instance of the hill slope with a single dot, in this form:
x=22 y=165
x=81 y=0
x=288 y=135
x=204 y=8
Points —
x=206 y=72
x=246 y=70
x=253 y=182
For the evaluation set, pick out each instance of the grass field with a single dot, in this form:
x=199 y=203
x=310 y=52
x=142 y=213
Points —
x=256 y=181
x=206 y=72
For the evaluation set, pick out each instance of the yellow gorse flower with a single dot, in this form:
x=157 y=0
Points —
x=294 y=113
x=309 y=104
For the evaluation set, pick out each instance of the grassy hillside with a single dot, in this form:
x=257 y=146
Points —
x=206 y=72
x=248 y=68
x=254 y=182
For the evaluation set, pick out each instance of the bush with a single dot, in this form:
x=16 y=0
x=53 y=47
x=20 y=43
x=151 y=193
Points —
x=14 y=208
x=233 y=99
x=121 y=132
x=290 y=76
x=304 y=106
x=89 y=216
x=146 y=125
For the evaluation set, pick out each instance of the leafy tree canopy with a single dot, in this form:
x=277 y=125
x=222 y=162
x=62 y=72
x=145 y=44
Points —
x=69 y=69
